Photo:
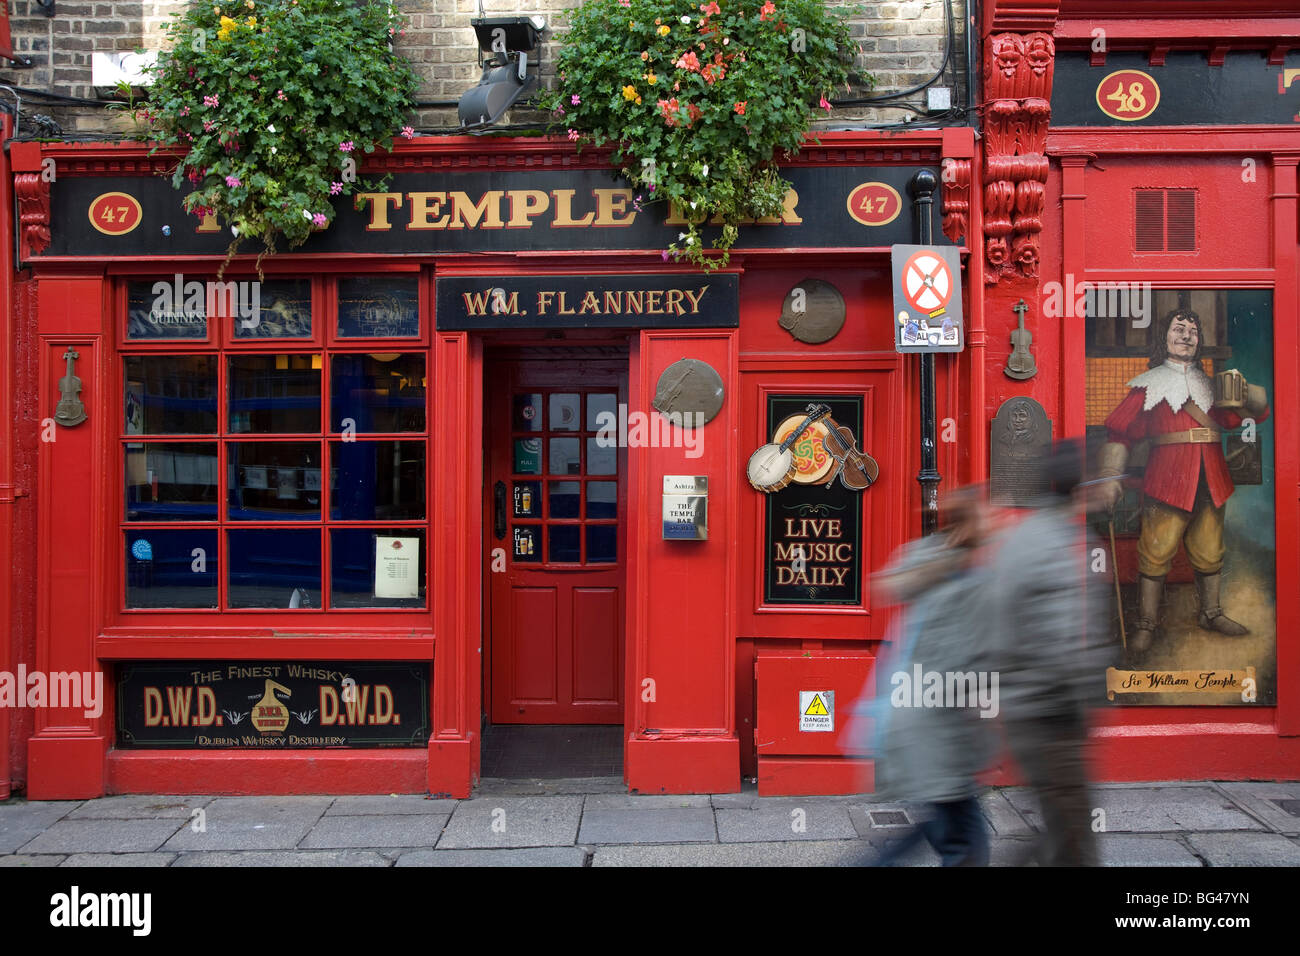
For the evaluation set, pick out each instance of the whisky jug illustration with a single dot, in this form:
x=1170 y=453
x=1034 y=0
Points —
x=269 y=715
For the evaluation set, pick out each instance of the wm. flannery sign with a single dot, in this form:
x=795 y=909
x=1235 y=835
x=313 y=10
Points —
x=631 y=301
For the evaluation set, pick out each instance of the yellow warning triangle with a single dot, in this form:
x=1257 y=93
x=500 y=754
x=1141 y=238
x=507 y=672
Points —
x=816 y=708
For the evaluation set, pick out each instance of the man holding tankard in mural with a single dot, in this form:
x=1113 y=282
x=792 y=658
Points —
x=1180 y=412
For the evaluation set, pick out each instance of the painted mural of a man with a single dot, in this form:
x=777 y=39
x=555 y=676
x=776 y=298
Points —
x=1173 y=405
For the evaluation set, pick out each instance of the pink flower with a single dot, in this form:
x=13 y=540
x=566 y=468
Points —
x=688 y=61
x=625 y=3
x=319 y=219
x=769 y=8
x=209 y=126
x=709 y=9
x=233 y=181
x=346 y=147
x=407 y=132
x=825 y=105
x=664 y=255
x=211 y=101
x=574 y=135
x=184 y=112
x=279 y=95
x=575 y=100
x=336 y=188
x=559 y=111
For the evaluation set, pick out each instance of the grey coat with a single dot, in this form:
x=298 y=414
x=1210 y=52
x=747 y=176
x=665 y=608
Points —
x=930 y=753
x=1045 y=638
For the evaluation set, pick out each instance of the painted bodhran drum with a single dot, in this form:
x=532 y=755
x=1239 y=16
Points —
x=812 y=462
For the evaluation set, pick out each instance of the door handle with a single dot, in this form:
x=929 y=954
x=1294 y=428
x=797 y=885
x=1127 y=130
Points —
x=499 y=510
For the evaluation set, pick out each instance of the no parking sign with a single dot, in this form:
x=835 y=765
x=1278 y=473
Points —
x=927 y=299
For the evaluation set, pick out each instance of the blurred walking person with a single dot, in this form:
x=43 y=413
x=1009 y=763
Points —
x=1043 y=620
x=931 y=754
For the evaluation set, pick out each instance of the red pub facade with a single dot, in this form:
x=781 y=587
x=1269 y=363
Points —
x=447 y=476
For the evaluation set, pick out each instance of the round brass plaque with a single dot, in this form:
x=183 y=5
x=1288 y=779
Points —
x=813 y=311
x=689 y=385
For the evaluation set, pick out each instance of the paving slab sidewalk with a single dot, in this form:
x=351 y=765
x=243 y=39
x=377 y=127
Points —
x=597 y=823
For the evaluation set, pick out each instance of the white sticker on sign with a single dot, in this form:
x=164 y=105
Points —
x=817 y=711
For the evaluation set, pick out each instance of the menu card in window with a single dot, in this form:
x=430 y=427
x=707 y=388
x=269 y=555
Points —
x=397 y=567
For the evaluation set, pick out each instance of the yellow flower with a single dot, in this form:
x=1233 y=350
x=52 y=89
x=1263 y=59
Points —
x=651 y=79
x=252 y=21
x=638 y=101
x=664 y=30
x=227 y=27
x=629 y=92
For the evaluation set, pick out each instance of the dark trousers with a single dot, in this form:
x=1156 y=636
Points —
x=1051 y=753
x=955 y=830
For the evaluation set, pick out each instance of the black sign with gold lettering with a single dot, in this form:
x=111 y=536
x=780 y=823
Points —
x=485 y=211
x=813 y=539
x=1185 y=90
x=278 y=705
x=629 y=301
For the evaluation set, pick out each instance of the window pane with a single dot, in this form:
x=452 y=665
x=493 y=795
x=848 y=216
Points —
x=275 y=393
x=565 y=412
x=400 y=555
x=376 y=480
x=380 y=392
x=269 y=481
x=528 y=456
x=600 y=406
x=564 y=544
x=602 y=543
x=602 y=499
x=171 y=568
x=384 y=307
x=170 y=308
x=528 y=413
x=601 y=460
x=176 y=481
x=565 y=454
x=565 y=496
x=274 y=568
x=275 y=309
x=171 y=394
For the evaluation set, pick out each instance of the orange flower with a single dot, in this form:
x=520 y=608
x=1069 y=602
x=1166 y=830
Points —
x=740 y=107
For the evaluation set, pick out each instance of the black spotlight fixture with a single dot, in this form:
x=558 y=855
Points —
x=505 y=45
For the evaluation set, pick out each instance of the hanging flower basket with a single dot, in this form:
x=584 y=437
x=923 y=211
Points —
x=701 y=100
x=273 y=102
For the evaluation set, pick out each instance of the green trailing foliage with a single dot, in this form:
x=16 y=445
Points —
x=274 y=102
x=701 y=100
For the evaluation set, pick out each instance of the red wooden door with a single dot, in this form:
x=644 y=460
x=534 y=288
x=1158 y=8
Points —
x=556 y=494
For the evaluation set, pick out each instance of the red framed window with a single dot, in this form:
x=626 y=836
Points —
x=273 y=444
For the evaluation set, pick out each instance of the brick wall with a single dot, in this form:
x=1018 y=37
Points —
x=902 y=45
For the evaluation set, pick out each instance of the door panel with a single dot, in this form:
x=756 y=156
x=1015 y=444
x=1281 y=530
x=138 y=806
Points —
x=555 y=614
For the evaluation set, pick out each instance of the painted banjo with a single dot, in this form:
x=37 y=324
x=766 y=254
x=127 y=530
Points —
x=772 y=467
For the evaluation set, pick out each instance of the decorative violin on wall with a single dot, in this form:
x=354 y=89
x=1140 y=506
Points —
x=856 y=471
x=70 y=410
